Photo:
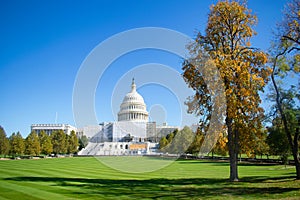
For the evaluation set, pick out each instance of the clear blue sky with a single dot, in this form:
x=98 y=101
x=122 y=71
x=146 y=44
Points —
x=43 y=44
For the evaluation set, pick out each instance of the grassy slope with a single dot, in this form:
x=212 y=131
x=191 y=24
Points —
x=87 y=178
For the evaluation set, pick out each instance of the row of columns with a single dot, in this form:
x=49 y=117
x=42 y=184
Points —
x=137 y=107
x=133 y=116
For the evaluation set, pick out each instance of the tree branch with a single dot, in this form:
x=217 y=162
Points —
x=291 y=39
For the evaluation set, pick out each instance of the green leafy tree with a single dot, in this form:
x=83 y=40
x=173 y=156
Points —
x=58 y=140
x=83 y=142
x=195 y=146
x=180 y=142
x=170 y=136
x=285 y=61
x=45 y=143
x=4 y=142
x=183 y=141
x=163 y=143
x=67 y=143
x=261 y=146
x=17 y=144
x=226 y=44
x=32 y=144
x=277 y=141
x=73 y=143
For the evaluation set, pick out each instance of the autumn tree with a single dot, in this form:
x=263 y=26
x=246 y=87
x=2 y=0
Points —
x=221 y=146
x=73 y=143
x=4 y=142
x=45 y=143
x=241 y=68
x=32 y=144
x=285 y=61
x=58 y=140
x=17 y=145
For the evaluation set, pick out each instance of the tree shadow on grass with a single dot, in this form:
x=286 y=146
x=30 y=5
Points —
x=226 y=163
x=216 y=163
x=160 y=188
x=267 y=179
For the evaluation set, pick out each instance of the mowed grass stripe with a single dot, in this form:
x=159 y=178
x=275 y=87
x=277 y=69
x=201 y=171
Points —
x=56 y=172
x=37 y=172
x=45 y=185
x=29 y=192
x=1 y=197
x=91 y=173
x=49 y=171
x=63 y=168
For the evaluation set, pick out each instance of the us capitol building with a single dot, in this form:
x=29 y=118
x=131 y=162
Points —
x=132 y=134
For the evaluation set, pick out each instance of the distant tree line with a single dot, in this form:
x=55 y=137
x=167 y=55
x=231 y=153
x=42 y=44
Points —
x=186 y=141
x=272 y=142
x=41 y=144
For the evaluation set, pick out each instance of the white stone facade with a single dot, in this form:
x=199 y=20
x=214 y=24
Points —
x=137 y=130
x=120 y=148
x=49 y=128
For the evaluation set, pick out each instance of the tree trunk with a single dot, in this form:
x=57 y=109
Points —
x=233 y=155
x=297 y=163
x=293 y=143
x=295 y=150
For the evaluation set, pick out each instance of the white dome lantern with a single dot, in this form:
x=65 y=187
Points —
x=133 y=107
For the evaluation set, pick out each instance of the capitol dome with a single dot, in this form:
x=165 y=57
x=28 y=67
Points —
x=133 y=107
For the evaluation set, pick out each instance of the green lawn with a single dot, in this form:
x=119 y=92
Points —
x=88 y=178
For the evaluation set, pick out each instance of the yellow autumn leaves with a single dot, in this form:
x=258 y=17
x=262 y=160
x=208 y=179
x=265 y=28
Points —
x=241 y=67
